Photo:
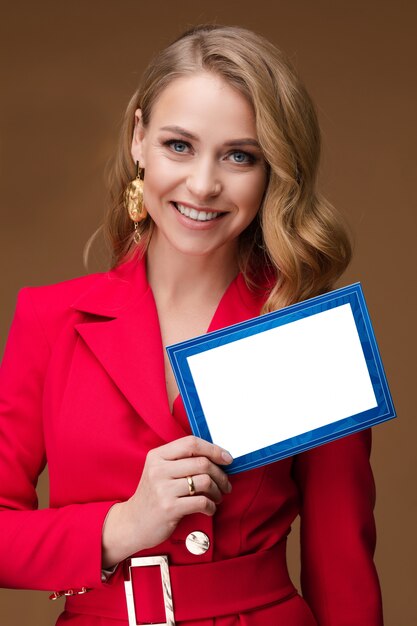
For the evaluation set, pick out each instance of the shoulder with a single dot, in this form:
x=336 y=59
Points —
x=40 y=314
x=66 y=294
x=49 y=307
x=100 y=294
x=57 y=297
x=60 y=295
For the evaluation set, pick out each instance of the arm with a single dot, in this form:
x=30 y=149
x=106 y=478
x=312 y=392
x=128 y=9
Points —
x=338 y=576
x=51 y=548
x=62 y=548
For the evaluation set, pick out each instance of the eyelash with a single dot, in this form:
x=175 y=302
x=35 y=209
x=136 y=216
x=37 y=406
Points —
x=250 y=158
x=171 y=142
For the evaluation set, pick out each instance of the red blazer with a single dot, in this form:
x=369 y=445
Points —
x=82 y=388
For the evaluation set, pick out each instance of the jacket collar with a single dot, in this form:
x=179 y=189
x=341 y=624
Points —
x=128 y=343
x=115 y=291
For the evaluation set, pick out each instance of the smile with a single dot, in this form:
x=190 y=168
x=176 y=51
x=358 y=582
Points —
x=197 y=215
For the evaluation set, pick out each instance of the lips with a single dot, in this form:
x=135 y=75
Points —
x=198 y=215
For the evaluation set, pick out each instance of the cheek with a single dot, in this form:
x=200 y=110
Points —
x=250 y=194
x=159 y=179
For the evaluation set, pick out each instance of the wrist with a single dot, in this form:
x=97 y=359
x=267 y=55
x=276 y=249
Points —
x=118 y=535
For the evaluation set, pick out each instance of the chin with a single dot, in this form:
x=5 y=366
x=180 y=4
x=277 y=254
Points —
x=196 y=251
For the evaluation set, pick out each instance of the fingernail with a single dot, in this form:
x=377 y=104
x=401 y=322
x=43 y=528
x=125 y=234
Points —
x=229 y=487
x=226 y=456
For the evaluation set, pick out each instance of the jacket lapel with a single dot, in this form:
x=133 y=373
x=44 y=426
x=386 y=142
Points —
x=238 y=304
x=124 y=335
x=127 y=343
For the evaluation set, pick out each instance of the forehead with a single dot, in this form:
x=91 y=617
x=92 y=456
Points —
x=204 y=103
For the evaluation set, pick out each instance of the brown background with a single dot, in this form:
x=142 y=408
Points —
x=68 y=70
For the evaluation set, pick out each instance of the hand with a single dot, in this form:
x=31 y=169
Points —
x=162 y=497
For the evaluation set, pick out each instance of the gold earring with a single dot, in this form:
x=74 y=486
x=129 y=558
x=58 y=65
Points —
x=133 y=201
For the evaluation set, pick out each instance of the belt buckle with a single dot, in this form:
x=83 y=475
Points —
x=148 y=561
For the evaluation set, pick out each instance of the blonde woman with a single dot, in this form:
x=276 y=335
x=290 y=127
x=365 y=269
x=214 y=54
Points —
x=215 y=218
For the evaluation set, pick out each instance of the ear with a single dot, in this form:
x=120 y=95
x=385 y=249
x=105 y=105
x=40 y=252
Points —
x=137 y=140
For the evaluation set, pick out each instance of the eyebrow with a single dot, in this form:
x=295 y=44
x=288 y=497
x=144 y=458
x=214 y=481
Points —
x=246 y=141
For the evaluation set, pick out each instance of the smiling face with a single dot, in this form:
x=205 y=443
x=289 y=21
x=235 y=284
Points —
x=205 y=175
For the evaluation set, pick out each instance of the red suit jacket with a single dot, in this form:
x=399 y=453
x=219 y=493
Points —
x=82 y=388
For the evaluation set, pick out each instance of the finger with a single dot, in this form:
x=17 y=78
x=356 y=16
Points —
x=200 y=465
x=194 y=446
x=195 y=504
x=203 y=485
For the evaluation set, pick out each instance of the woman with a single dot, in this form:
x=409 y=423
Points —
x=225 y=224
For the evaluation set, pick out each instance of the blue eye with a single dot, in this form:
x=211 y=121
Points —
x=178 y=146
x=241 y=157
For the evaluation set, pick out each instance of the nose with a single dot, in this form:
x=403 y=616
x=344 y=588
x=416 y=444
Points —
x=202 y=180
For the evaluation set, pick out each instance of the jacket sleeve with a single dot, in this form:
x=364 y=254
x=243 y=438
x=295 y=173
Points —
x=338 y=576
x=50 y=549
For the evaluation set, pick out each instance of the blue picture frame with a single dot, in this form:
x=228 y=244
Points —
x=353 y=295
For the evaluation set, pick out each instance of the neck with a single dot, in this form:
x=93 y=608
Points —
x=177 y=277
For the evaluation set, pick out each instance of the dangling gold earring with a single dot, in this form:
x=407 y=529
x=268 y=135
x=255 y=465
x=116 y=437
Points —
x=133 y=201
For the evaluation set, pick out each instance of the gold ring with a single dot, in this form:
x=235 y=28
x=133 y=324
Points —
x=191 y=486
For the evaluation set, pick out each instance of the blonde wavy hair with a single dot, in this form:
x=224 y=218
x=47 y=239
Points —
x=297 y=238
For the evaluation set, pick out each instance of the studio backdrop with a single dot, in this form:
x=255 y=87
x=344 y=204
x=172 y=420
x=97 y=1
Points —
x=68 y=70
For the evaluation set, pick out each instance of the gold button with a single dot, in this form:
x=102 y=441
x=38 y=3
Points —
x=197 y=542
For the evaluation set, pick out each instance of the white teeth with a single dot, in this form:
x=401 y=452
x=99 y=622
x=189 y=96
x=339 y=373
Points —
x=200 y=216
